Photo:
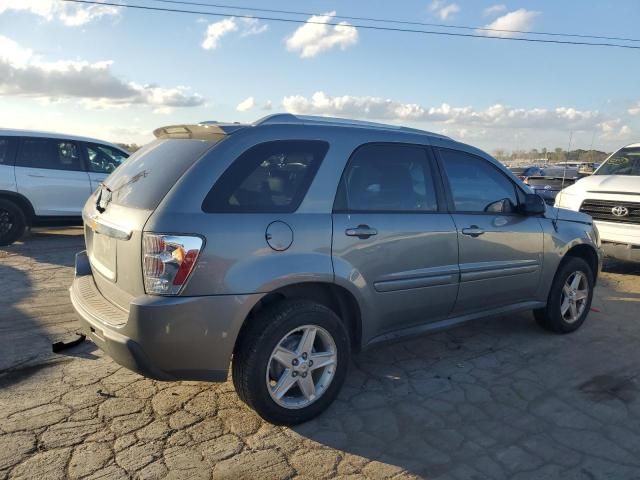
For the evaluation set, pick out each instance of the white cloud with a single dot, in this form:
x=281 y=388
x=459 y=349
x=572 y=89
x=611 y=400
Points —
x=252 y=26
x=315 y=36
x=443 y=9
x=378 y=108
x=494 y=10
x=216 y=31
x=268 y=105
x=23 y=73
x=520 y=20
x=247 y=104
x=634 y=109
x=614 y=129
x=72 y=15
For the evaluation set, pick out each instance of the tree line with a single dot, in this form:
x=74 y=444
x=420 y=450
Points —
x=553 y=156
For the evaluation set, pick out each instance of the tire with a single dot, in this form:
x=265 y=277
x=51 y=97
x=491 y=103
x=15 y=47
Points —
x=255 y=373
x=13 y=222
x=551 y=317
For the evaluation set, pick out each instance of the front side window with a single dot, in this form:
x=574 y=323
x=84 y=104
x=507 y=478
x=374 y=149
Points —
x=476 y=185
x=387 y=178
x=269 y=177
x=50 y=154
x=625 y=161
x=103 y=159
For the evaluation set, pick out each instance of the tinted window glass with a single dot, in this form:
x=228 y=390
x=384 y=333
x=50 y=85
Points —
x=476 y=185
x=103 y=159
x=624 y=162
x=6 y=150
x=145 y=177
x=388 y=178
x=50 y=154
x=269 y=177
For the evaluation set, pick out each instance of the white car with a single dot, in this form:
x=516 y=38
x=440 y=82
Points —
x=46 y=178
x=612 y=197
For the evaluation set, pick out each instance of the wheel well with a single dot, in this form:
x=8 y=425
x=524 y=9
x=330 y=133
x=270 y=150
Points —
x=587 y=253
x=22 y=201
x=337 y=298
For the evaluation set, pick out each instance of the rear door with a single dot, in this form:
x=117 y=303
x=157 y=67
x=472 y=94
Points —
x=102 y=160
x=391 y=229
x=500 y=249
x=51 y=174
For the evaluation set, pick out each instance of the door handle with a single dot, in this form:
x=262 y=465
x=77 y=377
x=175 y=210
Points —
x=361 y=231
x=33 y=175
x=472 y=231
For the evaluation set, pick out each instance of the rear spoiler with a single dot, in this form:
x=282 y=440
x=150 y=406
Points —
x=200 y=131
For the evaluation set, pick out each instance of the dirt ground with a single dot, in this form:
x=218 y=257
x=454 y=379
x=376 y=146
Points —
x=495 y=399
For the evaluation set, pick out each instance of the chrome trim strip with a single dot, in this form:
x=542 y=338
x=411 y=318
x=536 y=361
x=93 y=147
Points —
x=104 y=227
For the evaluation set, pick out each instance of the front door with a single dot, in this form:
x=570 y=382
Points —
x=51 y=174
x=500 y=248
x=393 y=239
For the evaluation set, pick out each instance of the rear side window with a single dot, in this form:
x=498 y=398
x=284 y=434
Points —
x=387 y=178
x=146 y=177
x=103 y=159
x=476 y=185
x=49 y=153
x=269 y=177
x=7 y=150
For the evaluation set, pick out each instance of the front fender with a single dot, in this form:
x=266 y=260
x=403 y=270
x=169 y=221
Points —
x=559 y=240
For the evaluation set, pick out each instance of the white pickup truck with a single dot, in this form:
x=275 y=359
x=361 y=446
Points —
x=612 y=197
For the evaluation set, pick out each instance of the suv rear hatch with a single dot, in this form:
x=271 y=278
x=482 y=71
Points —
x=117 y=211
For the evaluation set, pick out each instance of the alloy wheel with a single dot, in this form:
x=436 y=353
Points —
x=301 y=367
x=6 y=222
x=575 y=294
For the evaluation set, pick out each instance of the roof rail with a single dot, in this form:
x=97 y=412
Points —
x=289 y=118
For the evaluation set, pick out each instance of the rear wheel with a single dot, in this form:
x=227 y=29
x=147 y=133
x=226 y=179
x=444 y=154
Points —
x=291 y=362
x=569 y=299
x=13 y=222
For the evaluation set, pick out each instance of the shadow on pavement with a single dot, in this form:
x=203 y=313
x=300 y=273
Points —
x=56 y=246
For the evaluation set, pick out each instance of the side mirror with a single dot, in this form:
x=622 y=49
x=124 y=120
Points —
x=533 y=204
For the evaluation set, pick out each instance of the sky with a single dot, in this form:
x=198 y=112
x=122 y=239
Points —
x=118 y=73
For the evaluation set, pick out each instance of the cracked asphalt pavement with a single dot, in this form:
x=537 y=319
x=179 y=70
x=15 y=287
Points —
x=494 y=399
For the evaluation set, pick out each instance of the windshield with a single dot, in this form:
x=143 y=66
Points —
x=625 y=161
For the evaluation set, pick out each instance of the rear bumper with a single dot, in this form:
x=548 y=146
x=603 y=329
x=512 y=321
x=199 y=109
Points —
x=166 y=338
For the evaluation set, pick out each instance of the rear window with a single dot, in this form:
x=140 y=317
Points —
x=7 y=150
x=49 y=153
x=145 y=177
x=271 y=177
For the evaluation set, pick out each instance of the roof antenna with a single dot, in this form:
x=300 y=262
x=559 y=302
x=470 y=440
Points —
x=564 y=175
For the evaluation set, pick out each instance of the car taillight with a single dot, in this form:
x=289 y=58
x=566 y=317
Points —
x=167 y=261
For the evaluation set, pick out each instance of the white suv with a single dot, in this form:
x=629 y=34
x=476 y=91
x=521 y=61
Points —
x=46 y=178
x=612 y=197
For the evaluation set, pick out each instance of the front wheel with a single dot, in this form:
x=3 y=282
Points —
x=291 y=361
x=570 y=297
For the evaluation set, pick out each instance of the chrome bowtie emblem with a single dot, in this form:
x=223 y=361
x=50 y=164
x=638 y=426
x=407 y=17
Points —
x=620 y=211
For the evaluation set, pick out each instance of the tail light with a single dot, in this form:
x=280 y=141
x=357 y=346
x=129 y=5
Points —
x=167 y=262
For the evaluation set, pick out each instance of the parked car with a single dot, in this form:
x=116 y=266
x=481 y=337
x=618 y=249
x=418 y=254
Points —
x=284 y=245
x=612 y=197
x=46 y=178
x=549 y=181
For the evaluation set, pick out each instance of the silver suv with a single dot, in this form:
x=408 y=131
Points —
x=285 y=245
